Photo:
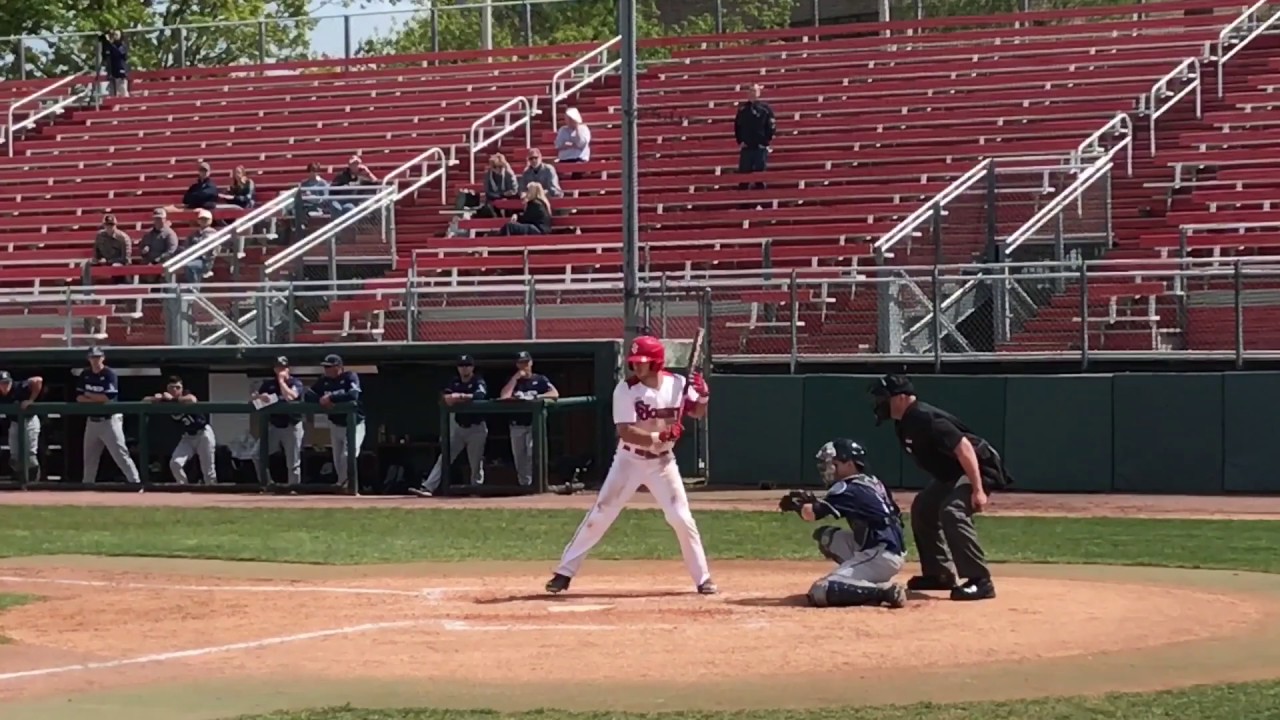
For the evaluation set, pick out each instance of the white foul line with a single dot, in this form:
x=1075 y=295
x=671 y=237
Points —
x=199 y=652
x=429 y=593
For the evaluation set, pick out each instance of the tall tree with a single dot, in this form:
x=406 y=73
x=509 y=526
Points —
x=62 y=35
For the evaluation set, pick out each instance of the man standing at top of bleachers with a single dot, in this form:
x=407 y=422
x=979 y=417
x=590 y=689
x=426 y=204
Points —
x=754 y=128
x=537 y=171
x=573 y=139
x=115 y=56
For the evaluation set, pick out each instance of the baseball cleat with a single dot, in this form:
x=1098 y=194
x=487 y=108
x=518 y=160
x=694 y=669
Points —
x=420 y=492
x=895 y=596
x=979 y=589
x=708 y=588
x=558 y=583
x=931 y=582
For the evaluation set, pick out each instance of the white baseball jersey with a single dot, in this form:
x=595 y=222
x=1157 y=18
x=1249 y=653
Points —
x=652 y=409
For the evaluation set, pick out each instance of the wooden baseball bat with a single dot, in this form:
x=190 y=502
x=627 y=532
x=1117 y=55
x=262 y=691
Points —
x=695 y=363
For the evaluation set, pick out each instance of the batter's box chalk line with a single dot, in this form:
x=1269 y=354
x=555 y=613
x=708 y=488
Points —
x=433 y=594
x=447 y=625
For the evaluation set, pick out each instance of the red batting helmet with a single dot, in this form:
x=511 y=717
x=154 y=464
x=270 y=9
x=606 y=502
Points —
x=647 y=349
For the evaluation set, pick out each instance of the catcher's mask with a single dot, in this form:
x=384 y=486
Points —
x=844 y=450
x=883 y=389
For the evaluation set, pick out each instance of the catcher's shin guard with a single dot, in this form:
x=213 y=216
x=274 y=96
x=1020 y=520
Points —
x=833 y=593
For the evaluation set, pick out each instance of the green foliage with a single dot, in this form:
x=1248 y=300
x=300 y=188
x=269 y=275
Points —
x=66 y=33
x=458 y=27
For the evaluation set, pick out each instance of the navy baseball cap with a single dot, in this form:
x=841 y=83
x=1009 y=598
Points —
x=282 y=362
x=96 y=351
x=5 y=376
x=331 y=360
x=466 y=361
x=524 y=356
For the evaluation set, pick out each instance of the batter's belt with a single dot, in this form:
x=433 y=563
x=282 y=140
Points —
x=645 y=453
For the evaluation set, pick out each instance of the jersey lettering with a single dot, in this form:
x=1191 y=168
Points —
x=644 y=412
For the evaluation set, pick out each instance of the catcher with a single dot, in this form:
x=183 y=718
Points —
x=871 y=552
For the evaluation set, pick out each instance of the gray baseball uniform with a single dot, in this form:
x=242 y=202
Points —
x=197 y=439
x=33 y=445
x=104 y=431
x=526 y=388
x=284 y=432
x=470 y=438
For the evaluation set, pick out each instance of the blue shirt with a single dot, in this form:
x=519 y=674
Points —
x=342 y=389
x=102 y=383
x=529 y=389
x=474 y=387
x=272 y=387
x=866 y=504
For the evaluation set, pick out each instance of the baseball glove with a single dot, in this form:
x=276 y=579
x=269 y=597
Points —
x=794 y=500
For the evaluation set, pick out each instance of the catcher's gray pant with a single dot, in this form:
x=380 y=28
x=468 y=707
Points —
x=338 y=439
x=471 y=439
x=863 y=576
x=202 y=446
x=522 y=453
x=108 y=434
x=289 y=441
x=33 y=446
x=942 y=523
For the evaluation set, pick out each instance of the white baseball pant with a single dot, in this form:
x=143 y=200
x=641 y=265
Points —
x=202 y=445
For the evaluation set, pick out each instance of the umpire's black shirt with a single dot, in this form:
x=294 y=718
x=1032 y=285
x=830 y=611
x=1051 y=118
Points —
x=930 y=435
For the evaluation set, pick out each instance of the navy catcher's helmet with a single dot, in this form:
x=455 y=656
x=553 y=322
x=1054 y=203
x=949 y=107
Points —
x=844 y=450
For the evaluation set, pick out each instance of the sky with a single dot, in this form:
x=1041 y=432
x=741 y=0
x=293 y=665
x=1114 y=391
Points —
x=328 y=35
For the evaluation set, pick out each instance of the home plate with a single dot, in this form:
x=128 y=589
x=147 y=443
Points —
x=577 y=608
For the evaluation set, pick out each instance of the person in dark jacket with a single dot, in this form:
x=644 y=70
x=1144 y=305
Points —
x=242 y=190
x=753 y=128
x=499 y=184
x=535 y=219
x=115 y=57
x=203 y=193
x=348 y=183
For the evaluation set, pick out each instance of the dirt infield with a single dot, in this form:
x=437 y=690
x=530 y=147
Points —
x=1024 y=504
x=118 y=634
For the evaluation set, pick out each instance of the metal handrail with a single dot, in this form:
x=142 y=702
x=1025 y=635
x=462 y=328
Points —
x=477 y=140
x=385 y=196
x=925 y=212
x=219 y=237
x=11 y=130
x=421 y=160
x=1224 y=37
x=1072 y=192
x=558 y=92
x=1121 y=122
x=1161 y=87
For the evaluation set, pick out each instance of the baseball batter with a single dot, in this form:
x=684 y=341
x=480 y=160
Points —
x=197 y=435
x=870 y=553
x=105 y=430
x=22 y=393
x=645 y=406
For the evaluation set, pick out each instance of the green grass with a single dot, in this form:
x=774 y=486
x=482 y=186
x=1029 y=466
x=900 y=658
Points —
x=1251 y=701
x=13 y=600
x=394 y=535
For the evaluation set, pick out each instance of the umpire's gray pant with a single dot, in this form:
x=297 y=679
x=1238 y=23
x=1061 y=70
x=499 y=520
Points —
x=33 y=446
x=202 y=445
x=338 y=439
x=870 y=568
x=942 y=523
x=522 y=453
x=289 y=441
x=108 y=434
x=471 y=439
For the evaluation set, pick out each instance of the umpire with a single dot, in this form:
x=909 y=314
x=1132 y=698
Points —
x=963 y=467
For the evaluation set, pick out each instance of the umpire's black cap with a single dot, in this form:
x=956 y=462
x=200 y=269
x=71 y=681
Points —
x=892 y=384
x=96 y=351
x=282 y=361
x=331 y=360
x=466 y=361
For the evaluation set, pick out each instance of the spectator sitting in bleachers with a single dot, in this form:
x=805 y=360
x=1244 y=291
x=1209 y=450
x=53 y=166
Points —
x=499 y=184
x=539 y=172
x=753 y=128
x=573 y=139
x=112 y=246
x=115 y=57
x=195 y=270
x=160 y=242
x=315 y=189
x=355 y=175
x=203 y=193
x=535 y=219
x=242 y=190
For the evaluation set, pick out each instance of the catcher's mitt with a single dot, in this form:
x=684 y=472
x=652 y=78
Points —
x=794 y=500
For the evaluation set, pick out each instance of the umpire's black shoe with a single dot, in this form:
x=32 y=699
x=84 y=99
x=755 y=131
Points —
x=975 y=589
x=931 y=582
x=558 y=583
